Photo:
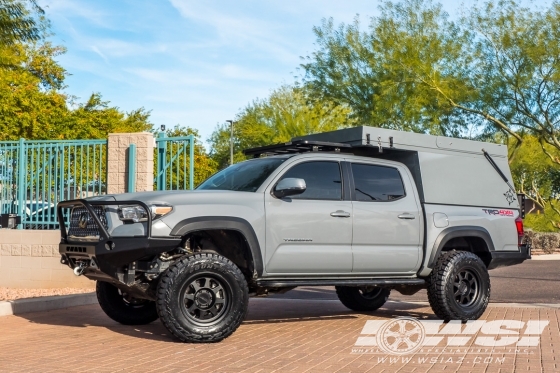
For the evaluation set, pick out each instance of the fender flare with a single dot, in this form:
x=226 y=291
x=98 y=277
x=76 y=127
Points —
x=454 y=232
x=224 y=222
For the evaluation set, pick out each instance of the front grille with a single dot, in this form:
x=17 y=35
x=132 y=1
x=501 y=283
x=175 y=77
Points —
x=82 y=224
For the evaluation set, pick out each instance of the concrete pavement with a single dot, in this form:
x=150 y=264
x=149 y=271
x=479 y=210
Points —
x=279 y=335
x=308 y=330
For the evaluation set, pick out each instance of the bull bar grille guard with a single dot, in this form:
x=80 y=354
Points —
x=117 y=259
x=103 y=233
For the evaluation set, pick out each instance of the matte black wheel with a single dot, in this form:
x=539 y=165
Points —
x=459 y=286
x=202 y=298
x=362 y=299
x=206 y=299
x=123 y=308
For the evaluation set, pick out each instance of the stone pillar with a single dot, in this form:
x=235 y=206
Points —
x=117 y=161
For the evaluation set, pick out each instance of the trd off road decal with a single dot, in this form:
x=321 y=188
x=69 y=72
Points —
x=498 y=212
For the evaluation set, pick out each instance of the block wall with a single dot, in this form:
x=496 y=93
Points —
x=29 y=259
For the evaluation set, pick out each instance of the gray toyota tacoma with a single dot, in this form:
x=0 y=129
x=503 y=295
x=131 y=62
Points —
x=366 y=210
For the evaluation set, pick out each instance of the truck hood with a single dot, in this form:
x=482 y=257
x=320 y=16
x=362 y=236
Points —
x=184 y=197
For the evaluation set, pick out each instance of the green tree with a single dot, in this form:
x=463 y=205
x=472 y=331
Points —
x=380 y=73
x=287 y=112
x=21 y=21
x=96 y=118
x=497 y=69
x=516 y=70
x=537 y=176
x=33 y=104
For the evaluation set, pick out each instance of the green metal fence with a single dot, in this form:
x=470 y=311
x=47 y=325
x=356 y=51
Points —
x=36 y=175
x=174 y=162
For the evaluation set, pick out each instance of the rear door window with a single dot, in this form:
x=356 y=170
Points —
x=377 y=183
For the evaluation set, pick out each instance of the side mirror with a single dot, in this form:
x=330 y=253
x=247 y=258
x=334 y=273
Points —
x=289 y=187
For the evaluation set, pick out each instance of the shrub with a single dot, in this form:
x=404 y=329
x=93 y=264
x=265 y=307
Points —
x=547 y=242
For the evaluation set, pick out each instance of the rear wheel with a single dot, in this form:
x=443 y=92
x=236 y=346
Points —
x=362 y=299
x=459 y=286
x=202 y=298
x=123 y=308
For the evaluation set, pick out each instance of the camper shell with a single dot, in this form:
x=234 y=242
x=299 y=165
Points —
x=446 y=170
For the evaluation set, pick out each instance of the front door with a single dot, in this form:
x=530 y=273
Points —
x=386 y=220
x=310 y=233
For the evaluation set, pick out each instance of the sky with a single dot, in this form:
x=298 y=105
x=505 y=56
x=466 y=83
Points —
x=195 y=63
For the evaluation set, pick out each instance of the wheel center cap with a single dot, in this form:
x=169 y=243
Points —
x=203 y=298
x=463 y=288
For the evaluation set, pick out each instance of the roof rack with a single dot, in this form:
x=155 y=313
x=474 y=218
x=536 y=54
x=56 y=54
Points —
x=299 y=146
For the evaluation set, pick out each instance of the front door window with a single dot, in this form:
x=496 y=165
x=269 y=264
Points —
x=322 y=180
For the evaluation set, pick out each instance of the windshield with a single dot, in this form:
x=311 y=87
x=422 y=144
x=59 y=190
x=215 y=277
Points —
x=243 y=177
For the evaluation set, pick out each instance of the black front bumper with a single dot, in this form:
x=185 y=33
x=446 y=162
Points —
x=111 y=259
x=508 y=258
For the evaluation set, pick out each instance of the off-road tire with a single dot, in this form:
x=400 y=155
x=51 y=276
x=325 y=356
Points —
x=132 y=312
x=187 y=293
x=445 y=296
x=360 y=300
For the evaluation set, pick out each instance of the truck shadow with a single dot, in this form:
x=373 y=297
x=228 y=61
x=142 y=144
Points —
x=261 y=311
x=276 y=310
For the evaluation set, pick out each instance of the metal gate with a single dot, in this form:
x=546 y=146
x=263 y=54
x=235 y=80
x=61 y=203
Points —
x=175 y=162
x=36 y=175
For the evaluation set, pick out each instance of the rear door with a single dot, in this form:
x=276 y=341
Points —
x=310 y=233
x=386 y=219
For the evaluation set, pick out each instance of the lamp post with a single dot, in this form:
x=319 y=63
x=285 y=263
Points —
x=230 y=142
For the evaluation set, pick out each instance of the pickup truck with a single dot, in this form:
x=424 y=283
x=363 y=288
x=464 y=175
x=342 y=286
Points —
x=366 y=210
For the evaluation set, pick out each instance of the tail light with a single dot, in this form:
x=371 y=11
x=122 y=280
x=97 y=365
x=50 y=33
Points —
x=520 y=232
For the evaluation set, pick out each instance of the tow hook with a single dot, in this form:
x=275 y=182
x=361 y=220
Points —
x=79 y=270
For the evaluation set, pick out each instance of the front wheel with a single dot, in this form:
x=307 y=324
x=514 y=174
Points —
x=459 y=286
x=123 y=308
x=202 y=298
x=362 y=299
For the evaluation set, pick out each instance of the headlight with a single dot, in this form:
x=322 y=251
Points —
x=133 y=213
x=139 y=214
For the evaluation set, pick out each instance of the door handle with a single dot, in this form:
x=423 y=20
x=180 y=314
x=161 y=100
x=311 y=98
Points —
x=406 y=215
x=340 y=214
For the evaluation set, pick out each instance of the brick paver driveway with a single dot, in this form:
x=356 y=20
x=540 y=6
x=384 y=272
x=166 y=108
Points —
x=280 y=335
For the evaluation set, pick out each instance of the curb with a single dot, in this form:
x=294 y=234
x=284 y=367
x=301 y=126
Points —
x=546 y=257
x=20 y=306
